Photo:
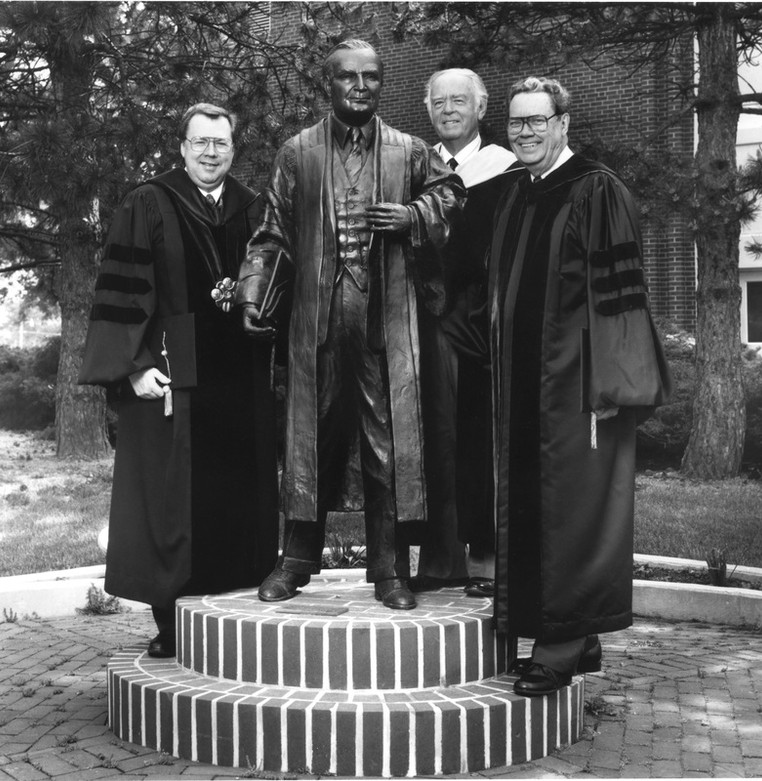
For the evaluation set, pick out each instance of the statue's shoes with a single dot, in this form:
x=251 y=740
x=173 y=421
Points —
x=395 y=594
x=281 y=585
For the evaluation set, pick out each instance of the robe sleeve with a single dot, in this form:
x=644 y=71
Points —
x=438 y=197
x=125 y=295
x=625 y=363
x=268 y=264
x=437 y=200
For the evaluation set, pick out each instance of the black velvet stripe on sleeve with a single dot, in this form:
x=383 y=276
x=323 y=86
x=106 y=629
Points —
x=118 y=314
x=615 y=306
x=127 y=254
x=122 y=284
x=632 y=277
x=607 y=257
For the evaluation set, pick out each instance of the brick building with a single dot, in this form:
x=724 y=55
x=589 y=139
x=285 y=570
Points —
x=611 y=111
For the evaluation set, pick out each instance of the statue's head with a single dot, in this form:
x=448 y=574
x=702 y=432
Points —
x=354 y=74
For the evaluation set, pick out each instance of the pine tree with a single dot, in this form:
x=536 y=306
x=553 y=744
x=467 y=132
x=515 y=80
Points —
x=90 y=95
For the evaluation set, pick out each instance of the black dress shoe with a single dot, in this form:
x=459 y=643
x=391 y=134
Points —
x=589 y=662
x=540 y=680
x=394 y=593
x=281 y=585
x=480 y=587
x=163 y=645
x=428 y=583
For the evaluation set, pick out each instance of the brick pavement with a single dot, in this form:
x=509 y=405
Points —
x=674 y=700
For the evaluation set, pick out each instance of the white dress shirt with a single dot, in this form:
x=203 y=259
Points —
x=469 y=149
x=564 y=155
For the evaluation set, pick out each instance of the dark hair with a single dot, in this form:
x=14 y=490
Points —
x=558 y=94
x=349 y=43
x=208 y=110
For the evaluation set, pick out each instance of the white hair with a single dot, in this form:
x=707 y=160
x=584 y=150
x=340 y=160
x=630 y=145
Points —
x=477 y=85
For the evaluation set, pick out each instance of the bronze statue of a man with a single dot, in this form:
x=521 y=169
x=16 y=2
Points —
x=355 y=213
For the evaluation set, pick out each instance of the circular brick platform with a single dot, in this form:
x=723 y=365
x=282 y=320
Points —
x=333 y=682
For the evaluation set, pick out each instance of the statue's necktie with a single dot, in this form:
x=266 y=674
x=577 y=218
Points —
x=453 y=163
x=353 y=164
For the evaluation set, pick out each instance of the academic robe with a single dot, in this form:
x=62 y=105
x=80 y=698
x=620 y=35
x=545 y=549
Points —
x=194 y=505
x=456 y=383
x=570 y=332
x=300 y=221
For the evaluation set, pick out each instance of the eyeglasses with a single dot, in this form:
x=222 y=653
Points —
x=538 y=123
x=200 y=144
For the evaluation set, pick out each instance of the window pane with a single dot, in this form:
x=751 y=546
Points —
x=754 y=310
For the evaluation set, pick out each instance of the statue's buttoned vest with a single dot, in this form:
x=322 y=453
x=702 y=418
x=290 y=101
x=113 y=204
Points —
x=352 y=228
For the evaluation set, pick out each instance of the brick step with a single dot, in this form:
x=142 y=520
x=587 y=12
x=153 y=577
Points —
x=408 y=732
x=336 y=636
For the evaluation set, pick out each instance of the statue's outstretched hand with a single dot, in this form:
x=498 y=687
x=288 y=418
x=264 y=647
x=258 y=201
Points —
x=253 y=325
x=392 y=217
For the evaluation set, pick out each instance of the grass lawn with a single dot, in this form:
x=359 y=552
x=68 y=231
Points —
x=51 y=512
x=687 y=518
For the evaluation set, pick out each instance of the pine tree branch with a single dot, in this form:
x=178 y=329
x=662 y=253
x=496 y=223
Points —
x=27 y=265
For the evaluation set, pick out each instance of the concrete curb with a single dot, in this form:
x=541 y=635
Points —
x=694 y=602
x=690 y=602
x=53 y=594
x=59 y=593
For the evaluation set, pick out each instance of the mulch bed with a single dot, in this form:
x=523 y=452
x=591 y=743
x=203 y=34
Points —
x=688 y=575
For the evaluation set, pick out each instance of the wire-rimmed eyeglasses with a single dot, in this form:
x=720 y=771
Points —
x=200 y=144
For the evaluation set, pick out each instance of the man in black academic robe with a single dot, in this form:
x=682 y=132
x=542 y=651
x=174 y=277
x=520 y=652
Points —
x=458 y=544
x=576 y=363
x=194 y=505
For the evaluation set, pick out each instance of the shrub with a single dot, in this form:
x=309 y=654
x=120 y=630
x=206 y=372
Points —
x=43 y=361
x=663 y=438
x=10 y=359
x=753 y=386
x=100 y=604
x=28 y=386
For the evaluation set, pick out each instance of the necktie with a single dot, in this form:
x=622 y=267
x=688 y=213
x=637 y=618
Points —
x=213 y=206
x=453 y=163
x=353 y=164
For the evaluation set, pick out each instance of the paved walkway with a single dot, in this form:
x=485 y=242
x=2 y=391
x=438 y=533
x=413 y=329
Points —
x=674 y=700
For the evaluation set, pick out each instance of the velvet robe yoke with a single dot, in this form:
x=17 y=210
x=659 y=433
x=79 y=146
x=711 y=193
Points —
x=194 y=500
x=570 y=332
x=299 y=219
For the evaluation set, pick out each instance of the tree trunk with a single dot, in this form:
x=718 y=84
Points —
x=716 y=442
x=80 y=409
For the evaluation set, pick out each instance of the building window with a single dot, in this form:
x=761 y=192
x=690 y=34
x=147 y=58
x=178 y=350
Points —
x=754 y=311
